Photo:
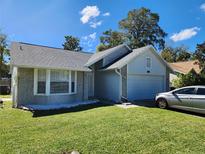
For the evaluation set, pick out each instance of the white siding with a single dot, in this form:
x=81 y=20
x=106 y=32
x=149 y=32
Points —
x=107 y=85
x=138 y=66
x=143 y=83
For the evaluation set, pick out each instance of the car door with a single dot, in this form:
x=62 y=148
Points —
x=198 y=100
x=182 y=97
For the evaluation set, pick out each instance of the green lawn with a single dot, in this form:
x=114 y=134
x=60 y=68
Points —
x=105 y=129
x=5 y=96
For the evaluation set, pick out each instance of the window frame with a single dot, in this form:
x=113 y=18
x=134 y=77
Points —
x=68 y=84
x=48 y=77
x=176 y=91
x=149 y=68
x=198 y=90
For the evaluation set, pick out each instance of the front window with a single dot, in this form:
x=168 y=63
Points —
x=59 y=81
x=41 y=83
x=73 y=78
x=54 y=82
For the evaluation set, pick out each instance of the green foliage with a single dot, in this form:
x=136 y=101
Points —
x=192 y=78
x=200 y=55
x=72 y=43
x=141 y=28
x=4 y=52
x=101 y=47
x=168 y=54
x=177 y=54
x=110 y=39
x=138 y=29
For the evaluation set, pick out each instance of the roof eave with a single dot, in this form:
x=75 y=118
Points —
x=45 y=67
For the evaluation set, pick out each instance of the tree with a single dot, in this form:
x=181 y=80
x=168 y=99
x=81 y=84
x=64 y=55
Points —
x=141 y=28
x=72 y=43
x=177 y=54
x=168 y=54
x=4 y=52
x=182 y=53
x=110 y=39
x=200 y=55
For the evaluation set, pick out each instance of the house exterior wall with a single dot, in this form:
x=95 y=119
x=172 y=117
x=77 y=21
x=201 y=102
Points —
x=143 y=83
x=115 y=55
x=107 y=85
x=138 y=65
x=26 y=90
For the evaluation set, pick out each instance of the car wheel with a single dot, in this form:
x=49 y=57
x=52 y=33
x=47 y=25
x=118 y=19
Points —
x=162 y=103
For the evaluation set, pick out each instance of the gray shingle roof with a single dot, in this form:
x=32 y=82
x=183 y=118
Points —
x=35 y=56
x=100 y=55
x=136 y=52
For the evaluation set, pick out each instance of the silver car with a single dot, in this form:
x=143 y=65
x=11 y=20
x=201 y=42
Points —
x=190 y=98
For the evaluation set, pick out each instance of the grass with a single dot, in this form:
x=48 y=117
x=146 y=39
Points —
x=5 y=96
x=103 y=129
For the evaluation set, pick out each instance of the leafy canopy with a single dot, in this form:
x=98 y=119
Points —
x=141 y=28
x=138 y=29
x=110 y=39
x=180 y=53
x=72 y=43
x=4 y=52
x=200 y=55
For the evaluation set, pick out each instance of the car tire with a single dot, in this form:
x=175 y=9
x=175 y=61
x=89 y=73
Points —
x=162 y=103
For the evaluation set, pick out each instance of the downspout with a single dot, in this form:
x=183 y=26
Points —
x=120 y=96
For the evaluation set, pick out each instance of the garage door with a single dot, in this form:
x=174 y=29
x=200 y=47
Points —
x=143 y=87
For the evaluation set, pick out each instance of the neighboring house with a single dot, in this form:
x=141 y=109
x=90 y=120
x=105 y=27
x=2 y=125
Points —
x=44 y=75
x=183 y=68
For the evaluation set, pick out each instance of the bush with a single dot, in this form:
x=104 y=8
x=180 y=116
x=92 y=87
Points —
x=192 y=78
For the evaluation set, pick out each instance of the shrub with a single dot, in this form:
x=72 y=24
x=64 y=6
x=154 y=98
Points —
x=192 y=78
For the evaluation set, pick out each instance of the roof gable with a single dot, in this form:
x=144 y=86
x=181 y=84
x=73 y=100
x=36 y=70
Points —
x=100 y=55
x=34 y=56
x=136 y=52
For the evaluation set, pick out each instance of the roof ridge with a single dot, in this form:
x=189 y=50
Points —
x=53 y=47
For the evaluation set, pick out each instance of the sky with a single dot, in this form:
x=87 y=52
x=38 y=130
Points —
x=46 y=22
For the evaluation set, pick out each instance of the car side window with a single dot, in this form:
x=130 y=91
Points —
x=201 y=91
x=185 y=91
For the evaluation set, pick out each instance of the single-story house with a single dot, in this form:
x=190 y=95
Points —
x=46 y=75
x=183 y=68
